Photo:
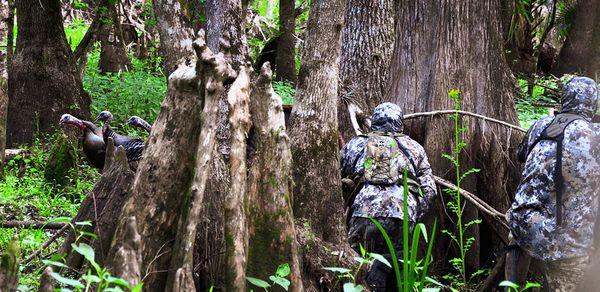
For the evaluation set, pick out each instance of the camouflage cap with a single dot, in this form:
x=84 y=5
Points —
x=580 y=95
x=387 y=117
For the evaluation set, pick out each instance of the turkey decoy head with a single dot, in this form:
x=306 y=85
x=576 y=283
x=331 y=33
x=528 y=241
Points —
x=138 y=122
x=69 y=120
x=104 y=116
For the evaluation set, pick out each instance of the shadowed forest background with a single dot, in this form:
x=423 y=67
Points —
x=249 y=103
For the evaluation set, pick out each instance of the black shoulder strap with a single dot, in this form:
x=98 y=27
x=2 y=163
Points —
x=555 y=131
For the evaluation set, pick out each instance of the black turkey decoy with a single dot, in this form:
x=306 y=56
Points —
x=139 y=123
x=133 y=147
x=93 y=143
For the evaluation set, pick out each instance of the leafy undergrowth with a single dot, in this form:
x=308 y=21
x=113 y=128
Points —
x=528 y=113
x=25 y=195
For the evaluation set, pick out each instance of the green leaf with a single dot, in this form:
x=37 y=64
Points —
x=338 y=270
x=283 y=270
x=138 y=288
x=85 y=250
x=509 y=284
x=84 y=223
x=423 y=231
x=60 y=220
x=118 y=281
x=91 y=278
x=283 y=282
x=67 y=281
x=381 y=259
x=258 y=282
x=54 y=263
x=530 y=285
x=350 y=287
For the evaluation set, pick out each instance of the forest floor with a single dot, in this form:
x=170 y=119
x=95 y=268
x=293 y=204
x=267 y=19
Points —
x=26 y=195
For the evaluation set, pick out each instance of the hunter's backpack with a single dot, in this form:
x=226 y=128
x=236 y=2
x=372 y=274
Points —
x=554 y=131
x=382 y=163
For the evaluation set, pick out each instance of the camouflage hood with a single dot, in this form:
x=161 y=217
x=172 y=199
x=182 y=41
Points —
x=580 y=96
x=387 y=117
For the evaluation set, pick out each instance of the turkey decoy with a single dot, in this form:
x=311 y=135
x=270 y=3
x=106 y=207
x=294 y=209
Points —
x=93 y=142
x=139 y=123
x=133 y=147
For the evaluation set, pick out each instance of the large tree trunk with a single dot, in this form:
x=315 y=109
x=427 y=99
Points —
x=286 y=44
x=581 y=51
x=367 y=45
x=165 y=180
x=113 y=56
x=175 y=36
x=440 y=56
x=314 y=127
x=43 y=82
x=270 y=185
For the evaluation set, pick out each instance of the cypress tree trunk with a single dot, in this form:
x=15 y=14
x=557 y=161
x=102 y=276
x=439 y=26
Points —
x=314 y=127
x=43 y=82
x=286 y=45
x=367 y=45
x=270 y=218
x=175 y=36
x=440 y=56
x=581 y=51
x=7 y=15
x=113 y=55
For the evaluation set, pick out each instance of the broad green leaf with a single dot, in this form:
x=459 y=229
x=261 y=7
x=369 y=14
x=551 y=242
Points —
x=381 y=259
x=119 y=282
x=350 y=287
x=283 y=270
x=258 y=282
x=60 y=220
x=91 y=278
x=338 y=270
x=530 y=285
x=283 y=282
x=138 y=288
x=508 y=284
x=85 y=250
x=67 y=281
x=84 y=223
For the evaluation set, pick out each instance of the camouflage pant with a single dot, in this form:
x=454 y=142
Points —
x=363 y=231
x=564 y=275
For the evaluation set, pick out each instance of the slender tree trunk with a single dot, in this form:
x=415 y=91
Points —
x=285 y=66
x=43 y=82
x=113 y=56
x=270 y=185
x=175 y=36
x=367 y=45
x=438 y=54
x=314 y=127
x=6 y=14
x=581 y=51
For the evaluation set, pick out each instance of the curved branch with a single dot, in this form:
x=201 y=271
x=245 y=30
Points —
x=465 y=113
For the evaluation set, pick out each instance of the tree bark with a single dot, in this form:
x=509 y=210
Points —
x=113 y=55
x=270 y=186
x=367 y=45
x=439 y=56
x=581 y=51
x=236 y=229
x=175 y=36
x=9 y=266
x=5 y=25
x=166 y=173
x=43 y=82
x=314 y=127
x=102 y=207
x=285 y=66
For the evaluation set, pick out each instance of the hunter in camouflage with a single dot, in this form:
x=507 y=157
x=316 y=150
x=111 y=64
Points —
x=384 y=201
x=532 y=217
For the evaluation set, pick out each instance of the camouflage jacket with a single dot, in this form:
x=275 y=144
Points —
x=532 y=217
x=386 y=201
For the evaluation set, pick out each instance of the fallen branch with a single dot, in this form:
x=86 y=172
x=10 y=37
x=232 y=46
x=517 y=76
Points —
x=465 y=113
x=476 y=201
x=32 y=224
x=45 y=245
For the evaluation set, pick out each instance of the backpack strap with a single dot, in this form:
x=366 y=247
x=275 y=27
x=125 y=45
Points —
x=555 y=131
